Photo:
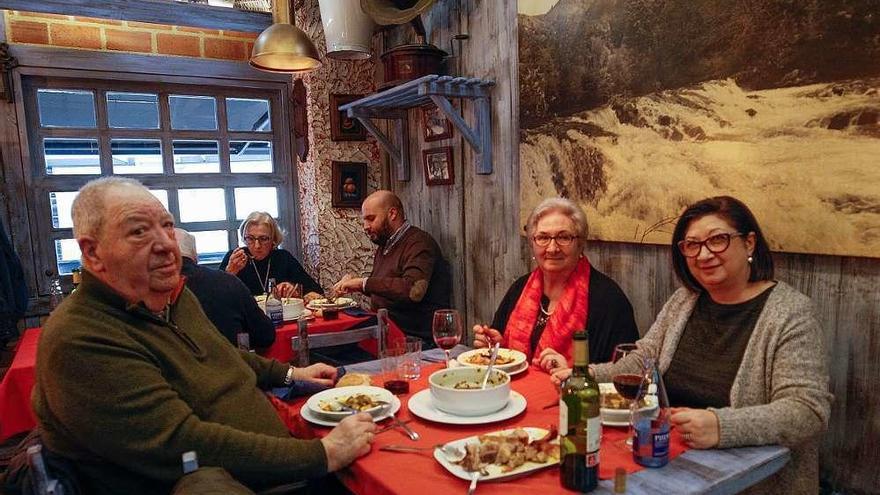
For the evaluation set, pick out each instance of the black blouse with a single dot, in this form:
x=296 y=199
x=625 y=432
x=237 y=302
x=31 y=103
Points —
x=610 y=319
x=284 y=268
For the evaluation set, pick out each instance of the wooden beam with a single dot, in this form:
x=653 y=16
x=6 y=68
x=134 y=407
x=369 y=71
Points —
x=156 y=11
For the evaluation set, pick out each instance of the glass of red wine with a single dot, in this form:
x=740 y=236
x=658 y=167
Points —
x=621 y=350
x=446 y=329
x=632 y=387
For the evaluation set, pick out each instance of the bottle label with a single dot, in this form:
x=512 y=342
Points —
x=563 y=417
x=592 y=460
x=661 y=444
x=594 y=436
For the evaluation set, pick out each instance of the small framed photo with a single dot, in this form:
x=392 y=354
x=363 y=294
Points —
x=439 y=168
x=349 y=183
x=343 y=127
x=436 y=125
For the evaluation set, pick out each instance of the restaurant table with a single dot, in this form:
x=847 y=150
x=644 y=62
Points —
x=15 y=389
x=714 y=471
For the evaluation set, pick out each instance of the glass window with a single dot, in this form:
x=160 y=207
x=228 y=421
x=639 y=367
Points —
x=61 y=202
x=196 y=157
x=201 y=205
x=248 y=115
x=66 y=108
x=162 y=196
x=211 y=245
x=193 y=113
x=250 y=157
x=132 y=110
x=67 y=254
x=136 y=156
x=249 y=199
x=65 y=156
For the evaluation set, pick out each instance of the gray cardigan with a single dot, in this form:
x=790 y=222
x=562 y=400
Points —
x=780 y=393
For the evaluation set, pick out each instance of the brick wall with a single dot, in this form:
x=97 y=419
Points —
x=126 y=36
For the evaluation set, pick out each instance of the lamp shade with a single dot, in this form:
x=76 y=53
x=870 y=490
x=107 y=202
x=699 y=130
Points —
x=283 y=47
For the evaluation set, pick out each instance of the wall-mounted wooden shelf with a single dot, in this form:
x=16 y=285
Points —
x=391 y=104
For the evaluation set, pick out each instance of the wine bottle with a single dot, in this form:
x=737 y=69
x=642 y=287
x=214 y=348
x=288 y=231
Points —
x=580 y=429
x=274 y=308
x=651 y=429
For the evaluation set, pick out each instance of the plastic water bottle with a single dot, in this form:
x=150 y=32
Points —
x=56 y=295
x=274 y=309
x=651 y=430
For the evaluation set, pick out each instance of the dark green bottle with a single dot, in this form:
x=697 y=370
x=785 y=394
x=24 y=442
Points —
x=580 y=428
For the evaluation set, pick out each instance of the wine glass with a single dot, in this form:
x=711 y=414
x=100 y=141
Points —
x=446 y=329
x=621 y=350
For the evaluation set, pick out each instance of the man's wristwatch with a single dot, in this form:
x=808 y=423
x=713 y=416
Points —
x=288 y=380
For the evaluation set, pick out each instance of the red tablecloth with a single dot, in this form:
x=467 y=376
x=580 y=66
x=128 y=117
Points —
x=380 y=473
x=282 y=351
x=15 y=389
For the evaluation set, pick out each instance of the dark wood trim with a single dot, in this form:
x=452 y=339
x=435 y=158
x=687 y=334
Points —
x=156 y=11
x=138 y=65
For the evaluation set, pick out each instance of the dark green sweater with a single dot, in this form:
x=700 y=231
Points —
x=124 y=393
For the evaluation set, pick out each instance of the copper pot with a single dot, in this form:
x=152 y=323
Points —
x=407 y=62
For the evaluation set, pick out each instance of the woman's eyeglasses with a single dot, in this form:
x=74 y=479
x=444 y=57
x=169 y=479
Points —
x=717 y=243
x=543 y=240
x=263 y=239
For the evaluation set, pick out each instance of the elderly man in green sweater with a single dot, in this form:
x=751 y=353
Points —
x=131 y=373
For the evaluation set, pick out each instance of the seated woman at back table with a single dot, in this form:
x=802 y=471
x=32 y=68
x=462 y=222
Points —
x=262 y=259
x=741 y=354
x=542 y=310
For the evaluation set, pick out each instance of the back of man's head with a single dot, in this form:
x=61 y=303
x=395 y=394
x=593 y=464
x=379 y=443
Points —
x=187 y=244
x=89 y=206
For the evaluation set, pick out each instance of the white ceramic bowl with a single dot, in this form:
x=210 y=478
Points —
x=469 y=402
x=328 y=399
x=292 y=307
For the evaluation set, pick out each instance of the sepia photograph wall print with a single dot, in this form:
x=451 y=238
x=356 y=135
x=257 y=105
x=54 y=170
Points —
x=637 y=108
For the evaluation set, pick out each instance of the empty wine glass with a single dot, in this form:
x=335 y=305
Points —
x=446 y=329
x=621 y=350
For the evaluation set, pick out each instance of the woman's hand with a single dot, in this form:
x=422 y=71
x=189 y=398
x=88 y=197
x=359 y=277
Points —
x=485 y=336
x=560 y=375
x=287 y=289
x=698 y=427
x=550 y=361
x=237 y=260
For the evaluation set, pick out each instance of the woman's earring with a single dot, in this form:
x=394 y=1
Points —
x=750 y=259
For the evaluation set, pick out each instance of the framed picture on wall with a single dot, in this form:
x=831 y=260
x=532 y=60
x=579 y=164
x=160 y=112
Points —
x=343 y=127
x=436 y=125
x=349 y=183
x=439 y=168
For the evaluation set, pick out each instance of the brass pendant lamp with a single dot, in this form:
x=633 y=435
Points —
x=283 y=47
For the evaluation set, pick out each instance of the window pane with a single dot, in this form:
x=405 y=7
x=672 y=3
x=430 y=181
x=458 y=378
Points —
x=162 y=196
x=211 y=245
x=66 y=108
x=136 y=156
x=133 y=110
x=67 y=255
x=248 y=199
x=248 y=115
x=196 y=157
x=250 y=156
x=60 y=204
x=201 y=205
x=71 y=156
x=193 y=113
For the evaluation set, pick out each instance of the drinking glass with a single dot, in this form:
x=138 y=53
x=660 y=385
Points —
x=621 y=350
x=393 y=378
x=446 y=329
x=412 y=361
x=629 y=386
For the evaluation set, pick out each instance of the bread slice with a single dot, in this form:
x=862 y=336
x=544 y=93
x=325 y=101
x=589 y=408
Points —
x=352 y=379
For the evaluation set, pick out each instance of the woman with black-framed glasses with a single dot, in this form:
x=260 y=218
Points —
x=741 y=353
x=564 y=294
x=261 y=258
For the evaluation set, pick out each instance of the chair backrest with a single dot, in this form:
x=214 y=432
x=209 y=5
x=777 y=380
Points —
x=303 y=342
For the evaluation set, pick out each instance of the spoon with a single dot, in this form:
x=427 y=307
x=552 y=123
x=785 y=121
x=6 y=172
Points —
x=492 y=359
x=475 y=476
x=450 y=452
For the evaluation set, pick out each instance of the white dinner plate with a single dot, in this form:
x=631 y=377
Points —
x=518 y=358
x=494 y=470
x=332 y=394
x=309 y=416
x=341 y=303
x=422 y=406
x=305 y=314
x=620 y=417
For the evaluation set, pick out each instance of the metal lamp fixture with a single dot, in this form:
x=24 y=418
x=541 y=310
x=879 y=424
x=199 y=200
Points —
x=283 y=47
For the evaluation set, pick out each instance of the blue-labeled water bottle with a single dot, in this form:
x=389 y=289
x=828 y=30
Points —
x=651 y=428
x=274 y=308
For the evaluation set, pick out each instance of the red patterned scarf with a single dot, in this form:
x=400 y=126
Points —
x=569 y=316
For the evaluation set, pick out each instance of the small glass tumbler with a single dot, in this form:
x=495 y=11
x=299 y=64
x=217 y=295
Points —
x=412 y=360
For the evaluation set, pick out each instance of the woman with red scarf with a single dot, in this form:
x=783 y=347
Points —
x=542 y=310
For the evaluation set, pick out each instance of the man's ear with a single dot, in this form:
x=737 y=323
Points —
x=89 y=247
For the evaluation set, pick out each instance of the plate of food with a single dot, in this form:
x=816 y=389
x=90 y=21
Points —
x=337 y=403
x=614 y=408
x=338 y=303
x=508 y=359
x=502 y=454
x=311 y=417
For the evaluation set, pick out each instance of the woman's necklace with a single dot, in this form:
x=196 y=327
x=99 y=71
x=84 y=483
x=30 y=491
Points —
x=263 y=284
x=546 y=311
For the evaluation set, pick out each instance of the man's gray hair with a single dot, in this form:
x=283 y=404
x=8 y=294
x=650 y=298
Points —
x=560 y=205
x=187 y=244
x=88 y=206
